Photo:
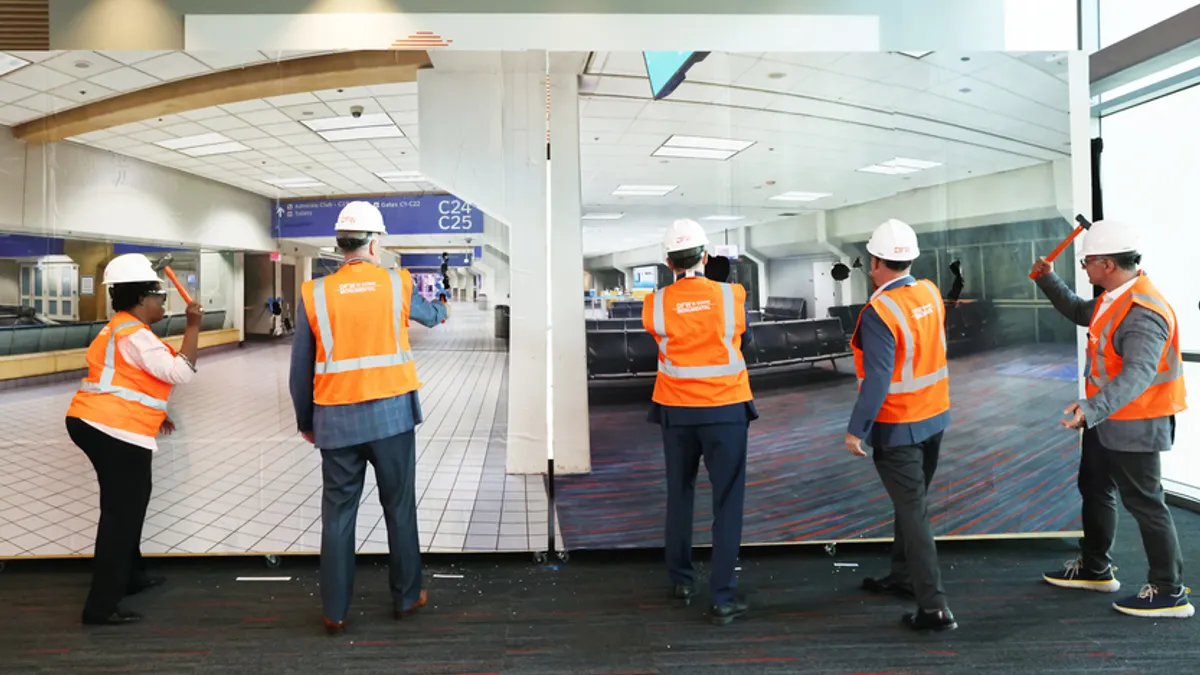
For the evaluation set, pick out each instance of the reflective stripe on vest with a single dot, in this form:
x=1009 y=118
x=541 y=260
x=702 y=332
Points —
x=1099 y=377
x=105 y=385
x=736 y=363
x=909 y=383
x=321 y=309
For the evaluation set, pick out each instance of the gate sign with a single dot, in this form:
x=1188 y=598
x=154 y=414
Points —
x=402 y=214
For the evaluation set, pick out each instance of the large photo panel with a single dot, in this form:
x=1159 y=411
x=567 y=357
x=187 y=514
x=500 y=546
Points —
x=790 y=161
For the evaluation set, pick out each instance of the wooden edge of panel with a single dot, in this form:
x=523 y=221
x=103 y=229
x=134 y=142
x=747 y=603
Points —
x=294 y=76
x=66 y=360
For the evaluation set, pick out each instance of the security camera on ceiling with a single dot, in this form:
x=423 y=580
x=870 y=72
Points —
x=356 y=111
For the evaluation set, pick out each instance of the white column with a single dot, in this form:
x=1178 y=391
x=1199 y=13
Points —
x=238 y=306
x=571 y=445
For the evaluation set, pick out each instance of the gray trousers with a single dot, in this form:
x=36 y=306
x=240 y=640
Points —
x=906 y=472
x=344 y=469
x=1137 y=477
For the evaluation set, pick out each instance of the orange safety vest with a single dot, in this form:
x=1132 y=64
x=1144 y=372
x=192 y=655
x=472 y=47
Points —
x=698 y=325
x=359 y=316
x=1166 y=396
x=920 y=387
x=117 y=393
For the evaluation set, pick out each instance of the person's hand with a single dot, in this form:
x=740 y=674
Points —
x=854 y=445
x=167 y=428
x=195 y=314
x=1078 y=419
x=1042 y=267
x=308 y=436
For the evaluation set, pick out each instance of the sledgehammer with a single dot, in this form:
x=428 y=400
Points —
x=164 y=265
x=1084 y=224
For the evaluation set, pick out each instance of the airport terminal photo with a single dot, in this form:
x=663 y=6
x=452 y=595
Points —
x=367 y=331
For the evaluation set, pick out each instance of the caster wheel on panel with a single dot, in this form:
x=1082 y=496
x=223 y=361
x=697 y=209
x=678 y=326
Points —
x=563 y=556
x=273 y=561
x=831 y=549
x=540 y=558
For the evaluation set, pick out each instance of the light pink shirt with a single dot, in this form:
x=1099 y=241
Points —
x=144 y=350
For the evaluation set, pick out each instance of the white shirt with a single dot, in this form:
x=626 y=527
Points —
x=1109 y=299
x=144 y=350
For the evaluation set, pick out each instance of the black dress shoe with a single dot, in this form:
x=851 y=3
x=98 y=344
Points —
x=117 y=618
x=724 y=614
x=888 y=585
x=683 y=592
x=144 y=584
x=939 y=620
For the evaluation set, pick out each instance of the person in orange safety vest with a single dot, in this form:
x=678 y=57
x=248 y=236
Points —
x=1134 y=385
x=703 y=404
x=354 y=388
x=120 y=408
x=903 y=409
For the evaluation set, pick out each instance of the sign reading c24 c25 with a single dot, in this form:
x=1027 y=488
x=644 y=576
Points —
x=402 y=214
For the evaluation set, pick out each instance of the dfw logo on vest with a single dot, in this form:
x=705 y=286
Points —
x=693 y=306
x=922 y=311
x=357 y=287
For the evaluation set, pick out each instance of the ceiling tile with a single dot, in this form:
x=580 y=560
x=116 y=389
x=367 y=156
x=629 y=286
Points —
x=38 y=77
x=394 y=89
x=292 y=99
x=36 y=57
x=13 y=92
x=132 y=56
x=91 y=136
x=261 y=117
x=46 y=103
x=152 y=136
x=245 y=106
x=224 y=123
x=186 y=129
x=223 y=60
x=398 y=103
x=172 y=66
x=15 y=114
x=132 y=127
x=264 y=143
x=341 y=108
x=343 y=94
x=124 y=79
x=310 y=111
x=203 y=114
x=246 y=134
x=81 y=64
x=83 y=92
x=284 y=128
x=403 y=119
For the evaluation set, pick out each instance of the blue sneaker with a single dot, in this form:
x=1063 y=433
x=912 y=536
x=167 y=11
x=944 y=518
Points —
x=1074 y=575
x=1152 y=603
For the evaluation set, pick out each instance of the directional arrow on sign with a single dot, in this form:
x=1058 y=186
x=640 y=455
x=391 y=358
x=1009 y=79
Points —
x=279 y=211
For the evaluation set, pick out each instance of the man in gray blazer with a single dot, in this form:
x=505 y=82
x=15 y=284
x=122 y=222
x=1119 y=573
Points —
x=1134 y=380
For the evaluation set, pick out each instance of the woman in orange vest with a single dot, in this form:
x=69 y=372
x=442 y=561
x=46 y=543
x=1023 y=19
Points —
x=1134 y=383
x=703 y=403
x=903 y=409
x=114 y=417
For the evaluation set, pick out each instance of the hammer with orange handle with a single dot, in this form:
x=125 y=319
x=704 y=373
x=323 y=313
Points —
x=1084 y=224
x=164 y=265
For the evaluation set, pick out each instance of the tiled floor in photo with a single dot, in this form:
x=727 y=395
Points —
x=237 y=478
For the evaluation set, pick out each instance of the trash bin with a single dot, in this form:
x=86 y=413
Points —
x=502 y=322
x=481 y=302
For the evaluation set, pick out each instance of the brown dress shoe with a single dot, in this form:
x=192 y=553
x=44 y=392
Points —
x=416 y=606
x=332 y=626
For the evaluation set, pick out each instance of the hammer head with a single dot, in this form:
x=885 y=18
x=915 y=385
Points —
x=1083 y=222
x=167 y=259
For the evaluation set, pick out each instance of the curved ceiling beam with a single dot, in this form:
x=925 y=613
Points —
x=294 y=76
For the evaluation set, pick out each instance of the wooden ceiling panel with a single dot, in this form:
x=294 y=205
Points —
x=24 y=25
x=316 y=73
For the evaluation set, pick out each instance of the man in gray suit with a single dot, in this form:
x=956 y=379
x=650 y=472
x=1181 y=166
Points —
x=1134 y=381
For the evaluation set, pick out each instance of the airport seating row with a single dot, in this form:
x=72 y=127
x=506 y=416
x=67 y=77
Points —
x=632 y=352
x=785 y=309
x=970 y=324
x=34 y=339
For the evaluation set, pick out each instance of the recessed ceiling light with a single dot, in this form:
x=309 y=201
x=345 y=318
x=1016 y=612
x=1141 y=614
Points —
x=9 y=63
x=916 y=55
x=216 y=149
x=363 y=133
x=700 y=147
x=401 y=176
x=964 y=90
x=193 y=141
x=644 y=190
x=887 y=170
x=776 y=76
x=603 y=216
x=800 y=196
x=348 y=122
x=728 y=218
x=899 y=165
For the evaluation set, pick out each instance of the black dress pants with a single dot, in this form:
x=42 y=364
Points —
x=124 y=474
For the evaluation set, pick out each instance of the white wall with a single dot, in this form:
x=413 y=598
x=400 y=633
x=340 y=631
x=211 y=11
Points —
x=10 y=282
x=73 y=190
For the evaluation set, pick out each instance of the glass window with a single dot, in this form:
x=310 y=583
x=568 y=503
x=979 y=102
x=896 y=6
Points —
x=37 y=306
x=1149 y=170
x=66 y=307
x=53 y=307
x=1121 y=18
x=37 y=280
x=52 y=277
x=68 y=281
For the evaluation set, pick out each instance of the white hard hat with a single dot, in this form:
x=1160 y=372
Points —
x=894 y=240
x=129 y=268
x=684 y=234
x=1108 y=237
x=360 y=217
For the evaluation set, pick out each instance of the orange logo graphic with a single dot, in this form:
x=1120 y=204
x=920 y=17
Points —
x=421 y=40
